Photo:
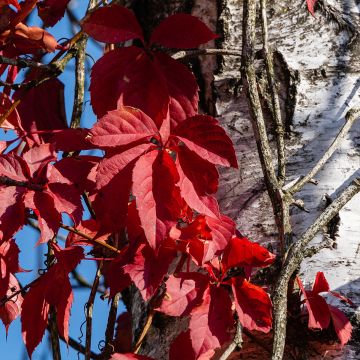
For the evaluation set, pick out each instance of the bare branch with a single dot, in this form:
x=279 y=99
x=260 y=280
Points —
x=351 y=116
x=191 y=53
x=275 y=110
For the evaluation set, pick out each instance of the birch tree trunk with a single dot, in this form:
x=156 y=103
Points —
x=317 y=76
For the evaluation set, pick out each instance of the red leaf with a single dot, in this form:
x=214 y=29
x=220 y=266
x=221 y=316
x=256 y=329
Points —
x=182 y=88
x=319 y=313
x=197 y=178
x=311 y=6
x=129 y=357
x=72 y=140
x=181 y=348
x=210 y=322
x=52 y=288
x=38 y=157
x=342 y=325
x=320 y=284
x=147 y=269
x=34 y=315
x=157 y=201
x=42 y=203
x=14 y=167
x=109 y=167
x=222 y=230
x=183 y=292
x=12 y=210
x=123 y=333
x=51 y=11
x=11 y=309
x=202 y=135
x=242 y=252
x=123 y=126
x=252 y=304
x=29 y=39
x=110 y=204
x=112 y=24
x=129 y=77
x=182 y=31
x=42 y=108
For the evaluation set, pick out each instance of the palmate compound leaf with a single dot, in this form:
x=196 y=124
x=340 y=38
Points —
x=52 y=288
x=182 y=31
x=112 y=24
x=252 y=305
x=202 y=135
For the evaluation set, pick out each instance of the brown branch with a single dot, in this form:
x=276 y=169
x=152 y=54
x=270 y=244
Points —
x=23 y=63
x=4 y=180
x=89 y=311
x=23 y=290
x=275 y=110
x=293 y=260
x=351 y=116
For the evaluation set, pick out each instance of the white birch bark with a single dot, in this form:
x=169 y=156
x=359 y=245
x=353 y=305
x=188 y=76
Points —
x=319 y=75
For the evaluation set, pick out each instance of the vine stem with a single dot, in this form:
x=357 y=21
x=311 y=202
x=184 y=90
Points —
x=89 y=311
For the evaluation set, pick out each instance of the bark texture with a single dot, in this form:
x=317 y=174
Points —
x=317 y=69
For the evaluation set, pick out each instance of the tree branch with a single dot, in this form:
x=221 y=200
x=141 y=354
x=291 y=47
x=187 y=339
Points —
x=191 y=53
x=275 y=110
x=351 y=116
x=293 y=260
x=236 y=343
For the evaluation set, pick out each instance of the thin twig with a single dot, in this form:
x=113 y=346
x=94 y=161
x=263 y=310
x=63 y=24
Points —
x=87 y=237
x=236 y=343
x=4 y=180
x=54 y=332
x=191 y=53
x=109 y=333
x=351 y=116
x=23 y=63
x=89 y=311
x=293 y=260
x=276 y=114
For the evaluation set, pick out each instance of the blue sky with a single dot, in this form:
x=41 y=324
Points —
x=31 y=257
